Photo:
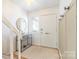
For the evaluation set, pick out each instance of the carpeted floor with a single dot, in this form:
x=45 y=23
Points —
x=36 y=52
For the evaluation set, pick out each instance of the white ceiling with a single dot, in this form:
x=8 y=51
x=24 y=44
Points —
x=37 y=4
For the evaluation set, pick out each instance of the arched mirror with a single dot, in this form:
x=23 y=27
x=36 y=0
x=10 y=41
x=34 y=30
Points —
x=22 y=25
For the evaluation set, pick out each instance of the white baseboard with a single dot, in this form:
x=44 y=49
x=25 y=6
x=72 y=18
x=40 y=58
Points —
x=44 y=46
x=67 y=54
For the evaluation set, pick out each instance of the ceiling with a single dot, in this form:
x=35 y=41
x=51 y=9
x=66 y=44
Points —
x=34 y=5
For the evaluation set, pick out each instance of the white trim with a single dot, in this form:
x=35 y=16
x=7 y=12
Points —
x=19 y=45
x=11 y=48
x=70 y=54
x=8 y=24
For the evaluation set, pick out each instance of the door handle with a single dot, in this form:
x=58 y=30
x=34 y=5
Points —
x=46 y=33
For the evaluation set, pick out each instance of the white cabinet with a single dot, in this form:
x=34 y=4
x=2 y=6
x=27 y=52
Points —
x=47 y=33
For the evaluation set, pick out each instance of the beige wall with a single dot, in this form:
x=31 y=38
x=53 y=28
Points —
x=67 y=34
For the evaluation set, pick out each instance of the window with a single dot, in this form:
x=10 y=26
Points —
x=36 y=25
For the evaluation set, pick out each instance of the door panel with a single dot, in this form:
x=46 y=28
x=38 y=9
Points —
x=48 y=31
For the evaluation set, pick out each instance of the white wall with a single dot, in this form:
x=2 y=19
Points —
x=7 y=35
x=11 y=12
x=44 y=12
x=62 y=4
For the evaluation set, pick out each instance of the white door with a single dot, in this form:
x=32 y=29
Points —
x=48 y=30
x=45 y=34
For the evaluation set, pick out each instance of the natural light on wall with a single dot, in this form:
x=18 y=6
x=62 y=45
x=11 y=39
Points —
x=36 y=24
x=29 y=2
